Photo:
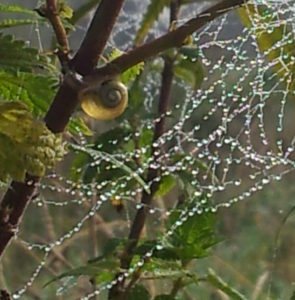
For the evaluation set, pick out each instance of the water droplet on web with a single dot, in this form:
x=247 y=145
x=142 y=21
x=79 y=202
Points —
x=159 y=247
x=228 y=134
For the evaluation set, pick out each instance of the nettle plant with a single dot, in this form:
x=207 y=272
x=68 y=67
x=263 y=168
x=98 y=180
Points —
x=180 y=96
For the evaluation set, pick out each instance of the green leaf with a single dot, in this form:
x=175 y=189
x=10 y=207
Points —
x=15 y=9
x=163 y=268
x=77 y=125
x=107 y=140
x=64 y=10
x=110 y=141
x=117 y=163
x=19 y=65
x=194 y=237
x=145 y=142
x=160 y=267
x=8 y=23
x=152 y=14
x=139 y=292
x=112 y=246
x=190 y=52
x=103 y=270
x=136 y=98
x=146 y=137
x=217 y=282
x=166 y=184
x=78 y=167
x=15 y=56
x=37 y=91
x=130 y=74
x=166 y=253
x=190 y=71
x=293 y=296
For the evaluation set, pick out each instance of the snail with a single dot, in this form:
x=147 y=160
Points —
x=104 y=101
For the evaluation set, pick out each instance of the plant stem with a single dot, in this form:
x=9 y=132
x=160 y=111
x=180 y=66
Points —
x=97 y=36
x=172 y=39
x=56 y=23
x=19 y=194
x=146 y=199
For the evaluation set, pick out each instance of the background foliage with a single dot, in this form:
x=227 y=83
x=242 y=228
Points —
x=75 y=229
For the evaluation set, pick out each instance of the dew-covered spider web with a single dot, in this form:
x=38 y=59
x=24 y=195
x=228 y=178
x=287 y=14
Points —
x=230 y=138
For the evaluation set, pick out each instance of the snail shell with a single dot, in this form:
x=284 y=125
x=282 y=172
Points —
x=105 y=101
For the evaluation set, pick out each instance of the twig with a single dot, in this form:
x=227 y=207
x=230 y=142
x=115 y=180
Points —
x=172 y=39
x=52 y=15
x=56 y=23
x=132 y=282
x=19 y=194
x=138 y=223
x=140 y=217
x=4 y=295
x=12 y=207
x=93 y=44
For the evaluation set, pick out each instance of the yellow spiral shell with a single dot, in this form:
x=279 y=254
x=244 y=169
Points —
x=105 y=101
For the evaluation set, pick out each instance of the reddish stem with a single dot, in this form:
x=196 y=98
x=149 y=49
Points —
x=19 y=194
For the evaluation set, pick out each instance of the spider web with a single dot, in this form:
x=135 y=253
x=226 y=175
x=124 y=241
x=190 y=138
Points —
x=234 y=136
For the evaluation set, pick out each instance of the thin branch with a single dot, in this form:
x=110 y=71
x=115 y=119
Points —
x=52 y=15
x=84 y=62
x=140 y=217
x=178 y=284
x=4 y=295
x=93 y=44
x=138 y=223
x=59 y=30
x=172 y=39
x=12 y=207
x=19 y=194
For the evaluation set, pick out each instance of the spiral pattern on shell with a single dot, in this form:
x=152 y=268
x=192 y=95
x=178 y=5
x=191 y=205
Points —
x=104 y=101
x=112 y=93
